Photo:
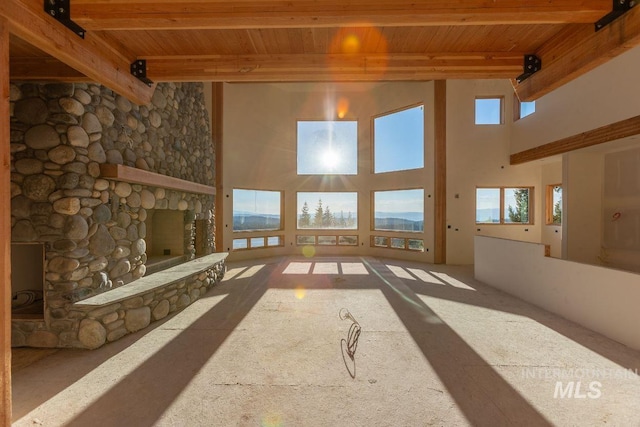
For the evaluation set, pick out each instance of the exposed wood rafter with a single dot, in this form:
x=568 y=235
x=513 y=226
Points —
x=171 y=14
x=577 y=50
x=92 y=56
x=233 y=68
x=612 y=132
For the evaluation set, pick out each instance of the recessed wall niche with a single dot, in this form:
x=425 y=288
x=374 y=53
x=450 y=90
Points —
x=27 y=280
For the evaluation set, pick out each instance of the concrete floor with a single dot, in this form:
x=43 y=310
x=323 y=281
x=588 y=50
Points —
x=264 y=349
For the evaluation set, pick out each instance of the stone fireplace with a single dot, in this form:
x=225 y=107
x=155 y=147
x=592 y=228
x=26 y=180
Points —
x=103 y=194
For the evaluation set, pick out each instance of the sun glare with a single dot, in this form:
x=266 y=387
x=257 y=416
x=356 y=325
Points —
x=330 y=159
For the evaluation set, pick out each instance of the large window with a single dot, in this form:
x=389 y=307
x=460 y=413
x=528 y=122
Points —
x=327 y=147
x=328 y=210
x=398 y=210
x=489 y=110
x=504 y=205
x=399 y=140
x=256 y=210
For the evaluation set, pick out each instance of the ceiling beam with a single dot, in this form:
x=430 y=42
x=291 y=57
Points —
x=611 y=132
x=577 y=50
x=339 y=67
x=172 y=14
x=91 y=56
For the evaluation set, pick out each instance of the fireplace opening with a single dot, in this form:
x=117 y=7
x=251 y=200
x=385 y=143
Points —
x=164 y=239
x=27 y=280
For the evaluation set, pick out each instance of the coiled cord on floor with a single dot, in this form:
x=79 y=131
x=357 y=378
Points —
x=354 y=332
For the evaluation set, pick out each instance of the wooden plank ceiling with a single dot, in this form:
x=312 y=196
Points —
x=325 y=40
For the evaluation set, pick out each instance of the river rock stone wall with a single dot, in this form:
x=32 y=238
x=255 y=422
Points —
x=93 y=228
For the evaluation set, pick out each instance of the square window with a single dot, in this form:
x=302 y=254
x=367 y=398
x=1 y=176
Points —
x=327 y=147
x=399 y=140
x=489 y=111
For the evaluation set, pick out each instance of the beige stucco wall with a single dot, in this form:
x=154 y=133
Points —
x=478 y=156
x=605 y=95
x=260 y=153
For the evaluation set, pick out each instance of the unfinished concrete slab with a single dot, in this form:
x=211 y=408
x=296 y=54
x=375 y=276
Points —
x=267 y=347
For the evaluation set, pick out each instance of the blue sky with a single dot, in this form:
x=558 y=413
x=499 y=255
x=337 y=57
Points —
x=399 y=140
x=399 y=201
x=337 y=201
x=261 y=202
x=327 y=147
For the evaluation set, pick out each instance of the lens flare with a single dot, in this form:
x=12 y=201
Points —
x=342 y=108
x=351 y=44
x=301 y=292
x=272 y=420
x=308 y=251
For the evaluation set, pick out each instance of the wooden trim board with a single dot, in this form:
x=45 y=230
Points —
x=139 y=176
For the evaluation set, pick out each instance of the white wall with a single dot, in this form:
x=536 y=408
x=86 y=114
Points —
x=478 y=156
x=260 y=153
x=551 y=234
x=598 y=298
x=605 y=95
x=582 y=201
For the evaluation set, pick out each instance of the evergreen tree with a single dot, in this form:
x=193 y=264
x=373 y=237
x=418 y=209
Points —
x=557 y=207
x=327 y=218
x=342 y=222
x=305 y=217
x=521 y=212
x=317 y=219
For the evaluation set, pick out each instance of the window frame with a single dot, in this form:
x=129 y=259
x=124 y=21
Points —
x=502 y=207
x=502 y=109
x=549 y=205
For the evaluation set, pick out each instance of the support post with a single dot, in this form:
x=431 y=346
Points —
x=5 y=229
x=440 y=170
x=216 y=133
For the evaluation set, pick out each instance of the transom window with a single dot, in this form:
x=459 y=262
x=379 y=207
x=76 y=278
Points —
x=327 y=147
x=489 y=110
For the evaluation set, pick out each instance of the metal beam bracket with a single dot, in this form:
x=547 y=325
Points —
x=139 y=70
x=60 y=11
x=620 y=7
x=532 y=64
